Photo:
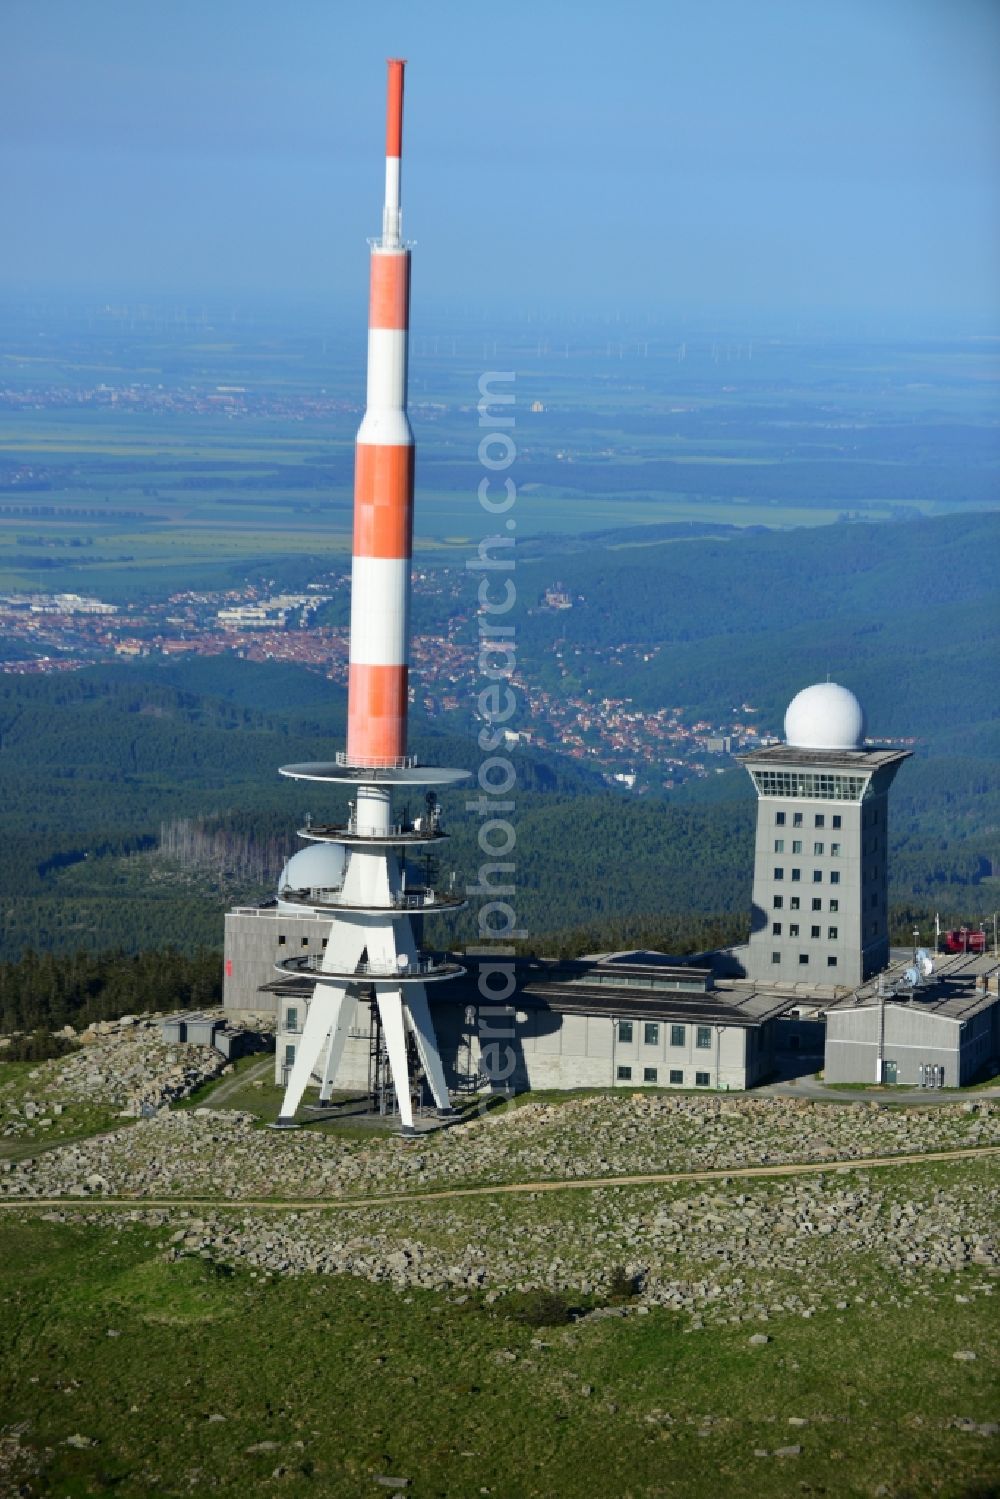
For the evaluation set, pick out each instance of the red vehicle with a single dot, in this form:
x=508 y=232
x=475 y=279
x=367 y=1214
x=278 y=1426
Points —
x=964 y=939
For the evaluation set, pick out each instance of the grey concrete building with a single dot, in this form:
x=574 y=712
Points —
x=255 y=938
x=621 y=1020
x=888 y=1032
x=820 y=882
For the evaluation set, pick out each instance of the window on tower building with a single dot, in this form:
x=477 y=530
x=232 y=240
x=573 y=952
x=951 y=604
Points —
x=291 y=1018
x=793 y=930
x=624 y=1073
x=818 y=849
x=796 y=874
x=831 y=933
x=835 y=820
x=803 y=959
x=649 y=1074
x=779 y=818
x=831 y=961
x=676 y=1076
x=820 y=820
x=778 y=902
x=703 y=1036
x=814 y=931
x=817 y=904
x=779 y=873
x=779 y=845
x=677 y=1035
x=835 y=850
x=775 y=928
x=651 y=1033
x=835 y=877
x=817 y=876
x=776 y=957
x=835 y=905
x=625 y=1031
x=796 y=845
x=797 y=820
x=794 y=903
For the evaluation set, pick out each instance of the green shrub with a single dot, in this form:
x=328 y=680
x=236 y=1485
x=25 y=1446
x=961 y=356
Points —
x=39 y=1046
x=536 y=1308
x=621 y=1285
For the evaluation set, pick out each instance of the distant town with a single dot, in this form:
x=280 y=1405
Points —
x=634 y=748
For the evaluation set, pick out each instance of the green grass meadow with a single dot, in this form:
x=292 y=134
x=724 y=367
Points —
x=324 y=1384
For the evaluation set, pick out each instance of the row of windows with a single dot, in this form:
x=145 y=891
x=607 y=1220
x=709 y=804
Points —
x=651 y=1034
x=282 y=941
x=801 y=783
x=831 y=960
x=778 y=902
x=818 y=848
x=819 y=820
x=796 y=874
x=675 y=1075
x=814 y=931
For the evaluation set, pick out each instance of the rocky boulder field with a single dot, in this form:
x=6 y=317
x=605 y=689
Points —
x=227 y=1156
x=121 y=1069
x=838 y=1241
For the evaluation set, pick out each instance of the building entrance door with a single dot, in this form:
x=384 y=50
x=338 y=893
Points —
x=888 y=1071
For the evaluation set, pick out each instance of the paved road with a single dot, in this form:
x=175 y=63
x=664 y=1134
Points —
x=808 y=1087
x=507 y=1189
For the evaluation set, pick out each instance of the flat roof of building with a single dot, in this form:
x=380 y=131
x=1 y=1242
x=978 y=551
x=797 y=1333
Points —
x=960 y=987
x=664 y=990
x=787 y=754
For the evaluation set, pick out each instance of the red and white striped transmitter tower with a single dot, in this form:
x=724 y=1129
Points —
x=371 y=950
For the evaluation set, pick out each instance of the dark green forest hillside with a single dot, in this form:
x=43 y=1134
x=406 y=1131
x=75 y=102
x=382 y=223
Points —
x=905 y=614
x=93 y=763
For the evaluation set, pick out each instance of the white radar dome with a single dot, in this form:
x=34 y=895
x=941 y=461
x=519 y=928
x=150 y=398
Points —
x=825 y=717
x=318 y=867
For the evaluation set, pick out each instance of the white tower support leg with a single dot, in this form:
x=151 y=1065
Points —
x=345 y=1019
x=427 y=1046
x=390 y=1007
x=321 y=1020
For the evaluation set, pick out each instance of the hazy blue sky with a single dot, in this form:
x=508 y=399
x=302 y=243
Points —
x=748 y=155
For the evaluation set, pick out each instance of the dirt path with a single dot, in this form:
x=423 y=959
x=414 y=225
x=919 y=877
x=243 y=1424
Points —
x=237 y=1080
x=506 y=1189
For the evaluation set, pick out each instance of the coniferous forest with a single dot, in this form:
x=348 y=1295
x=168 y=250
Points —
x=142 y=799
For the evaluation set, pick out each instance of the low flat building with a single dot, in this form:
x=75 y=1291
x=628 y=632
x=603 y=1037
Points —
x=889 y=1032
x=617 y=1020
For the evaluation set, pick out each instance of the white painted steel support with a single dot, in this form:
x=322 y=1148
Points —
x=427 y=1047
x=346 y=1012
x=390 y=1008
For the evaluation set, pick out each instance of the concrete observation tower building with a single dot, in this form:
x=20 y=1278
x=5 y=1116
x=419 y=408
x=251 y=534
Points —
x=820 y=884
x=371 y=944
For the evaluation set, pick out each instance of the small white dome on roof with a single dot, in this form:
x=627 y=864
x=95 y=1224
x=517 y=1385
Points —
x=318 y=867
x=825 y=716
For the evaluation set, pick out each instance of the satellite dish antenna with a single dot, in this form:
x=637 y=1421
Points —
x=911 y=978
x=926 y=965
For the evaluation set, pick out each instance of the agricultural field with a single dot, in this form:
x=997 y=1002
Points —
x=145 y=455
